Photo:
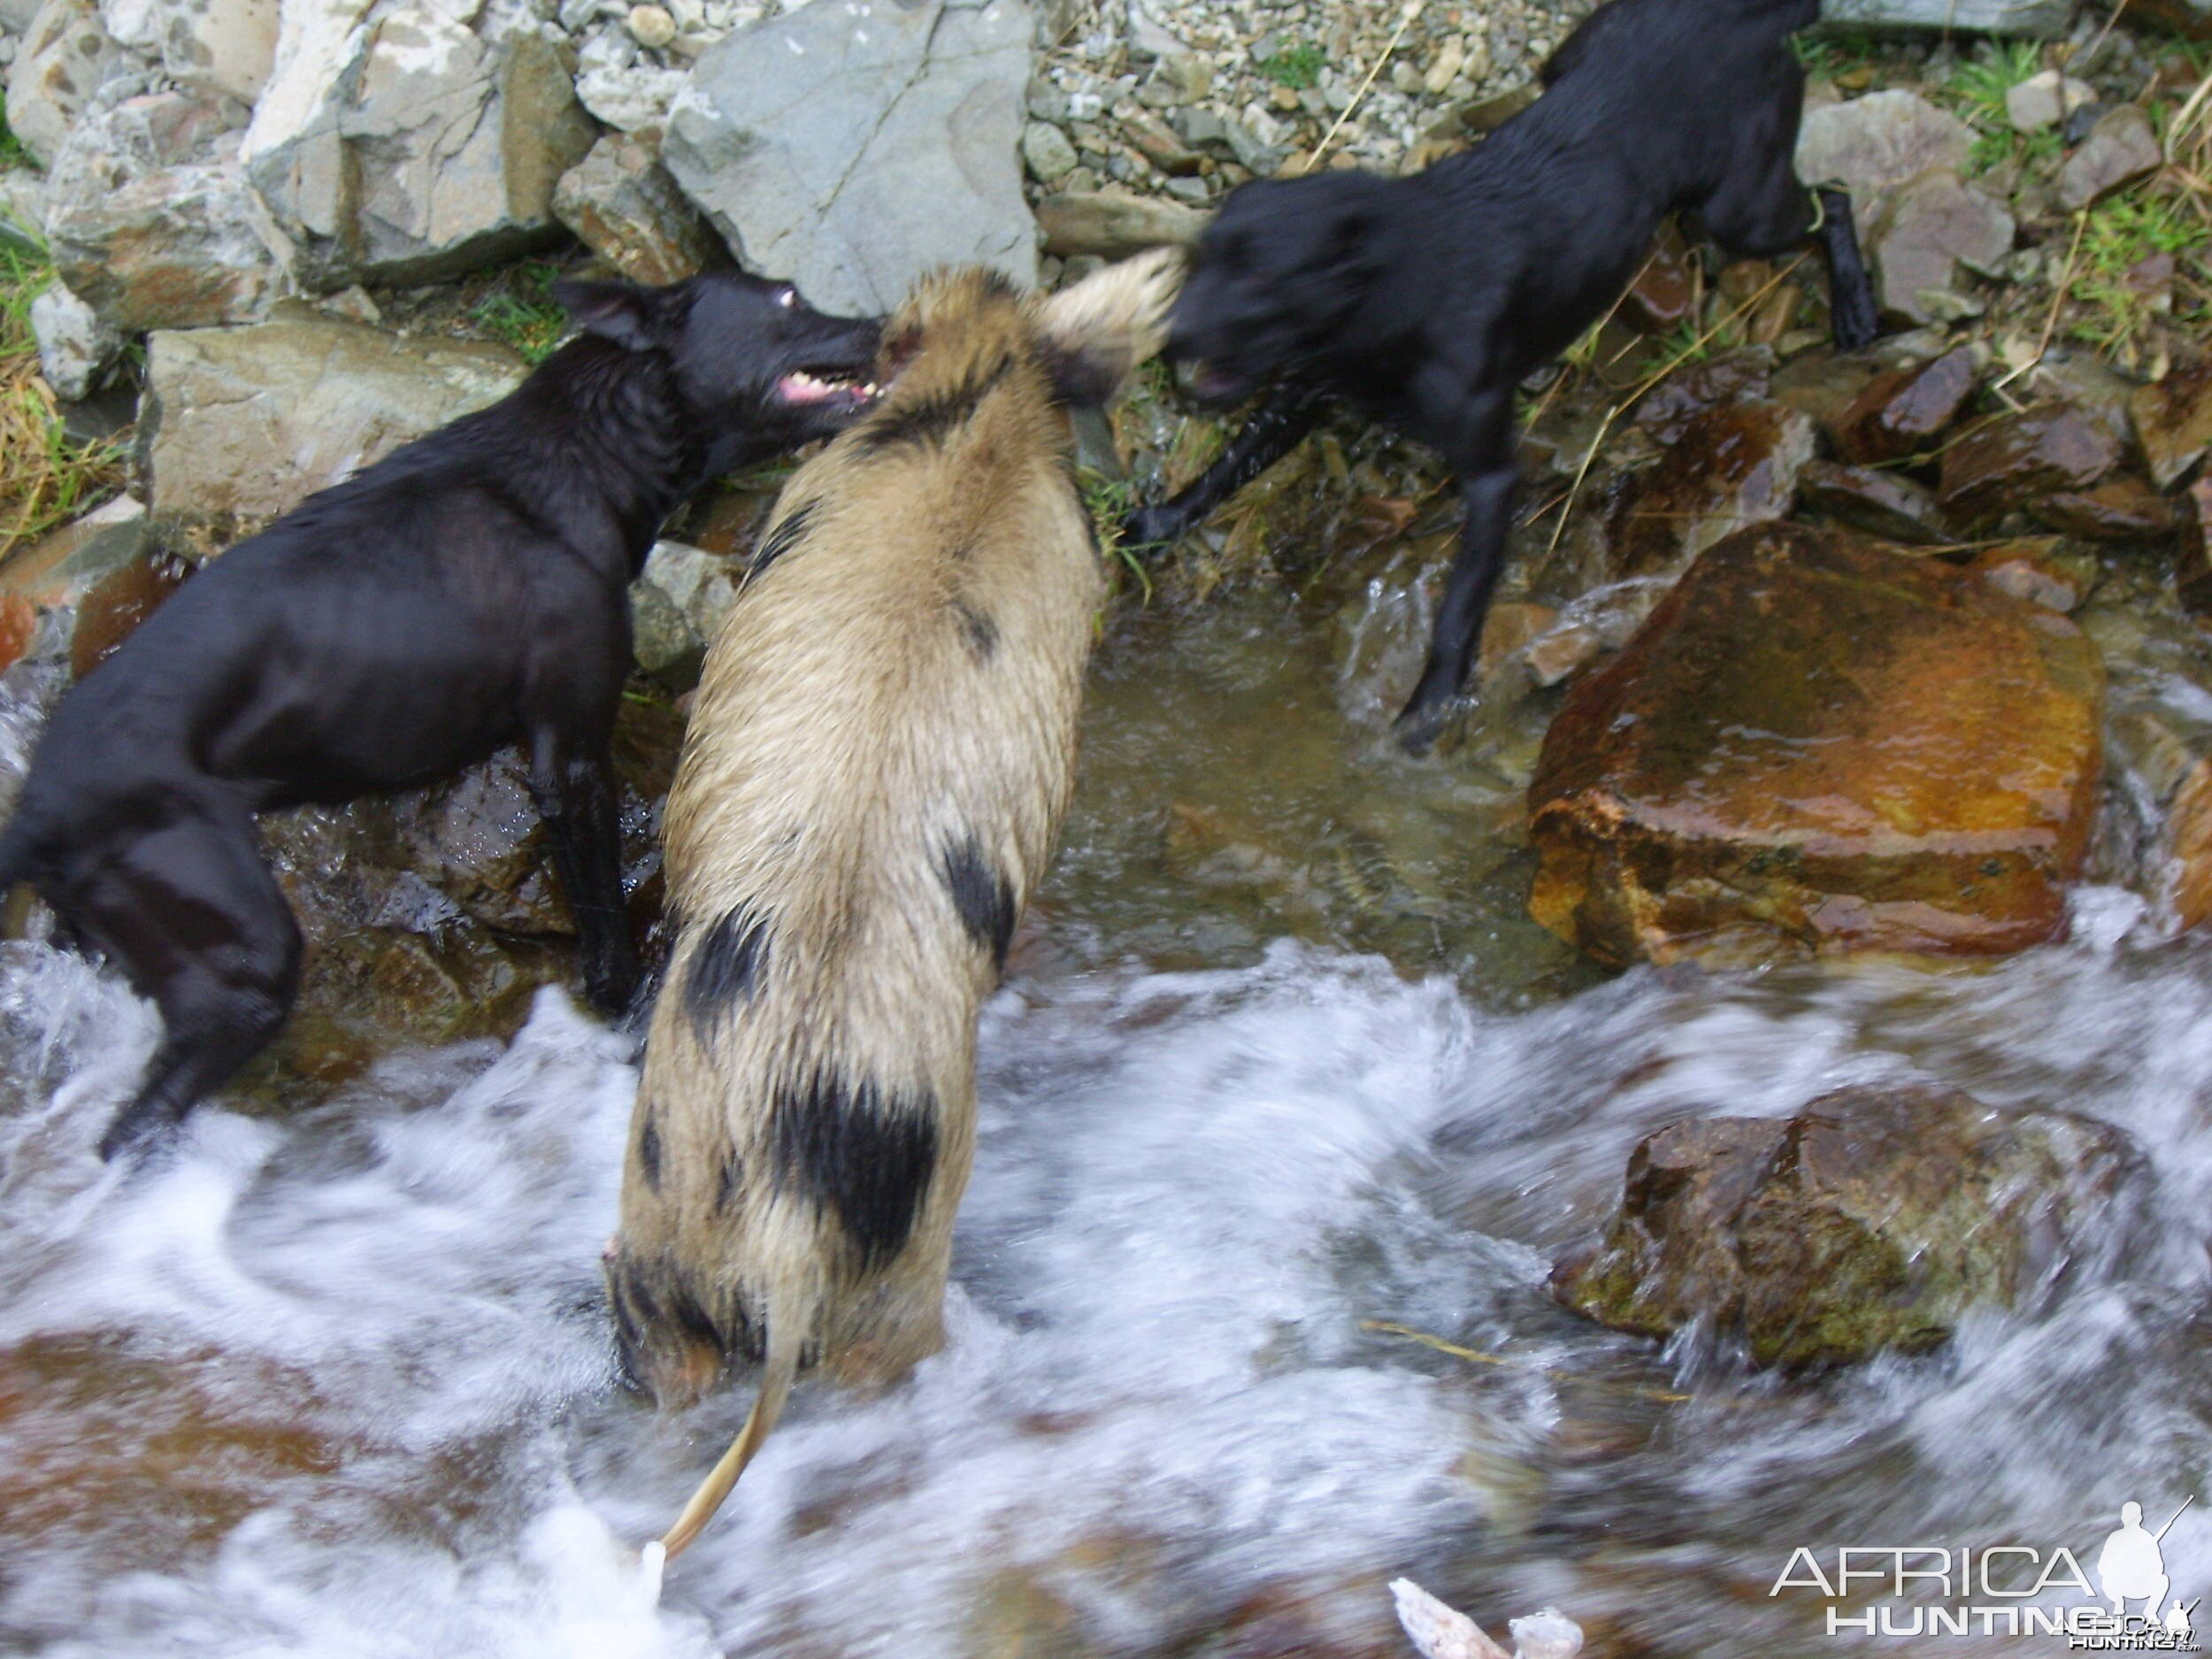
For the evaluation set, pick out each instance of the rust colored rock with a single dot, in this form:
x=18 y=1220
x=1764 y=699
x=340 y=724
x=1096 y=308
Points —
x=1816 y=744
x=1664 y=294
x=2189 y=845
x=1904 y=411
x=1733 y=377
x=1875 y=1219
x=1887 y=505
x=2014 y=460
x=2173 y=422
x=112 y=608
x=2123 y=508
x=19 y=623
x=1733 y=465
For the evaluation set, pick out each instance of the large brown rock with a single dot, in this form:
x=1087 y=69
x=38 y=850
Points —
x=1875 y=1219
x=1734 y=464
x=1820 y=743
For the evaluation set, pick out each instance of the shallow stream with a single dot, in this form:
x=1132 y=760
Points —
x=1281 y=1058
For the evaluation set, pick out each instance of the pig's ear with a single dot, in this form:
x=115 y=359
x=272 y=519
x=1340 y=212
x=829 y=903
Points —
x=1096 y=333
x=635 y=318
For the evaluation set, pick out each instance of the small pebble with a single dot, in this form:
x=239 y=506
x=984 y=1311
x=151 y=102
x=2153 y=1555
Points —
x=652 y=26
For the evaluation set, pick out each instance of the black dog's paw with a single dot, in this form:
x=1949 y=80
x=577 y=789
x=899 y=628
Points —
x=1150 y=529
x=137 y=1131
x=1422 y=721
x=1857 y=324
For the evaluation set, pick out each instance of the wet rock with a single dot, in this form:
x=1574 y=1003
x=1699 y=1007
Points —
x=65 y=57
x=413 y=146
x=2173 y=421
x=225 y=49
x=2189 y=846
x=74 y=595
x=1817 y=744
x=622 y=205
x=1733 y=465
x=1875 y=1219
x=852 y=148
x=2043 y=101
x=2042 y=19
x=1930 y=227
x=1876 y=144
x=1665 y=293
x=2040 y=571
x=1112 y=224
x=2121 y=508
x=1732 y=377
x=250 y=421
x=74 y=345
x=1905 y=412
x=150 y=219
x=2194 y=572
x=2120 y=148
x=1882 y=503
x=2014 y=460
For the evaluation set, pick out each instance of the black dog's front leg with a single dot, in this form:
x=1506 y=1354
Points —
x=1272 y=433
x=1851 y=301
x=576 y=797
x=1458 y=633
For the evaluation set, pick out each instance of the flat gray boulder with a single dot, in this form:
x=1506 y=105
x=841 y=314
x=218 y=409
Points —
x=853 y=145
x=251 y=421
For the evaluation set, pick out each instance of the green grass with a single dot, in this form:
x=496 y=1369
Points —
x=1976 y=92
x=1110 y=501
x=1834 y=52
x=524 y=314
x=1298 y=67
x=45 y=479
x=2123 y=231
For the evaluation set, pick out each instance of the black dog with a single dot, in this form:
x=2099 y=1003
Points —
x=469 y=590
x=1425 y=301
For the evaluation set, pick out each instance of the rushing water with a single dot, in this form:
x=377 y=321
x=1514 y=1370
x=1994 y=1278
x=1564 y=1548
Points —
x=1282 y=1056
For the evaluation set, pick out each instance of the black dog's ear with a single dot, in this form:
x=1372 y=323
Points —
x=636 y=318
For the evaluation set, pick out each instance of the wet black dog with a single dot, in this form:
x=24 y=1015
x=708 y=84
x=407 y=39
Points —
x=468 y=591
x=1427 y=301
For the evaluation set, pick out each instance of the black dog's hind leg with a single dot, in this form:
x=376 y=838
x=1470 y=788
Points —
x=1272 y=433
x=576 y=797
x=198 y=923
x=1764 y=211
x=1489 y=482
x=1856 y=313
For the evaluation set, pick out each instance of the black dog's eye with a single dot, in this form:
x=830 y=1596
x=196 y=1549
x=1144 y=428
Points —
x=786 y=297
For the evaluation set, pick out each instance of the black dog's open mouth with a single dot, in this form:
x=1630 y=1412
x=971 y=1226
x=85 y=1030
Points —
x=834 y=388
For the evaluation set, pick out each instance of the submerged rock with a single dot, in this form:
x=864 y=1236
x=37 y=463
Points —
x=1818 y=744
x=250 y=421
x=1876 y=1218
x=851 y=147
x=74 y=595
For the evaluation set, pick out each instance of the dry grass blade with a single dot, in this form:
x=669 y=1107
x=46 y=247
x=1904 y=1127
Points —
x=1384 y=1327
